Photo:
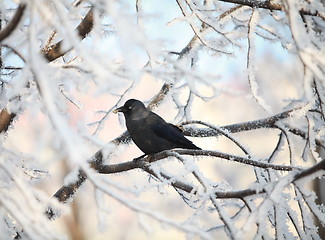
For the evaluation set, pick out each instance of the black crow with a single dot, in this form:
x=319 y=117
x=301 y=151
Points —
x=149 y=131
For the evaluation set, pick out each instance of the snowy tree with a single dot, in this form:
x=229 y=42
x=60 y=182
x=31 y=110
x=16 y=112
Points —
x=243 y=79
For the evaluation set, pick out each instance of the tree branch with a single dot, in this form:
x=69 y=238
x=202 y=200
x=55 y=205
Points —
x=269 y=122
x=309 y=171
x=6 y=119
x=270 y=5
x=66 y=192
x=127 y=166
x=55 y=51
x=11 y=26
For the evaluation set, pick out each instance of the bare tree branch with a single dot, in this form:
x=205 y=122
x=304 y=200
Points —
x=269 y=122
x=11 y=26
x=86 y=25
x=270 y=5
x=6 y=119
x=309 y=171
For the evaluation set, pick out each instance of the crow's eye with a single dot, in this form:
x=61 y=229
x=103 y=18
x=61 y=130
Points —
x=130 y=107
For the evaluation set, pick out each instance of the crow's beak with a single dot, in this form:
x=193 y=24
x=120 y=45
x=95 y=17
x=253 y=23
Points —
x=120 y=109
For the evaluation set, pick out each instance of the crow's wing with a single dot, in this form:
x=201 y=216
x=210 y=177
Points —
x=173 y=134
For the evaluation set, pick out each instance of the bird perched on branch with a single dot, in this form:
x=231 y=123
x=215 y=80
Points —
x=149 y=131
